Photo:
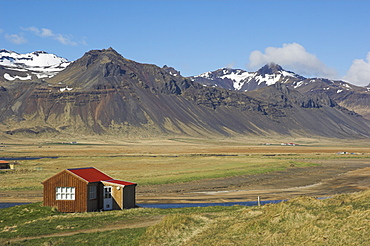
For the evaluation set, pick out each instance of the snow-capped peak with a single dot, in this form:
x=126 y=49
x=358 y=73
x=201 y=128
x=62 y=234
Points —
x=243 y=80
x=273 y=68
x=38 y=63
x=235 y=76
x=230 y=73
x=34 y=59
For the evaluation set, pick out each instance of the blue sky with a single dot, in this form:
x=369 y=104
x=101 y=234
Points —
x=313 y=38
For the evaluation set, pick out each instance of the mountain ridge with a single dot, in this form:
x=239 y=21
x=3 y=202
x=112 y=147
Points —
x=103 y=93
x=353 y=97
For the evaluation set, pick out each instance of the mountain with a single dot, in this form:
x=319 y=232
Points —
x=102 y=93
x=353 y=97
x=240 y=80
x=171 y=70
x=30 y=66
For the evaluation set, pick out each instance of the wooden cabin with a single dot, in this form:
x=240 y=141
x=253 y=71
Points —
x=4 y=164
x=87 y=189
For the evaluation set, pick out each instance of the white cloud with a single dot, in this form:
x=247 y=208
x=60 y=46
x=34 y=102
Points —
x=231 y=65
x=33 y=29
x=359 y=72
x=292 y=57
x=64 y=39
x=48 y=33
x=16 y=39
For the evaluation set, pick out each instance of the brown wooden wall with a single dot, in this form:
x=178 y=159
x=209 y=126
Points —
x=66 y=179
x=117 y=197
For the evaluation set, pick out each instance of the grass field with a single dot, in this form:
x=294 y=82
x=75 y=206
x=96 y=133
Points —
x=149 y=162
x=166 y=161
x=145 y=170
x=341 y=220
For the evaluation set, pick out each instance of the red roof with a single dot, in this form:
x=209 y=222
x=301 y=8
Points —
x=120 y=182
x=4 y=162
x=91 y=174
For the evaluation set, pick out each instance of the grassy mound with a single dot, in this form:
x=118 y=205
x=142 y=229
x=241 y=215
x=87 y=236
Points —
x=341 y=220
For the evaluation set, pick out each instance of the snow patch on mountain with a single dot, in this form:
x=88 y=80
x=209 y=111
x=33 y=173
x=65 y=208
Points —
x=205 y=75
x=65 y=89
x=238 y=77
x=11 y=78
x=243 y=80
x=40 y=64
x=268 y=79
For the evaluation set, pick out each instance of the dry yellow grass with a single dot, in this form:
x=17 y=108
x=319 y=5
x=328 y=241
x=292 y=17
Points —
x=142 y=169
x=158 y=161
x=109 y=146
x=341 y=220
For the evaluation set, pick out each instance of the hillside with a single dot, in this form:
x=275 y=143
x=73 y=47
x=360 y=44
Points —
x=355 y=98
x=104 y=93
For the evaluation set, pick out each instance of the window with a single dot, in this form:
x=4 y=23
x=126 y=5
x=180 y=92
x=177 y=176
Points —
x=92 y=192
x=107 y=191
x=65 y=193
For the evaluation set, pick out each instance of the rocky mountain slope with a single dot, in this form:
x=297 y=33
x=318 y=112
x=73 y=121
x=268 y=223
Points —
x=104 y=93
x=353 y=97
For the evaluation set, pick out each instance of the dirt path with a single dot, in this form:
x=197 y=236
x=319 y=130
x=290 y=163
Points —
x=116 y=226
x=343 y=176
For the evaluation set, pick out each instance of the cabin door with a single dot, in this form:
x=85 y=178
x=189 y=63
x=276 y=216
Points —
x=107 y=198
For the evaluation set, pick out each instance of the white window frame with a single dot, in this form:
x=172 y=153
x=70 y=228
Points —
x=65 y=193
x=92 y=192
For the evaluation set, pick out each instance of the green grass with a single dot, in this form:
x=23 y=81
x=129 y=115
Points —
x=162 y=169
x=158 y=170
x=189 y=168
x=35 y=219
x=341 y=220
x=124 y=237
x=165 y=161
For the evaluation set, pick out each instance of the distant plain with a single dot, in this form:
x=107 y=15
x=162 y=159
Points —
x=195 y=170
